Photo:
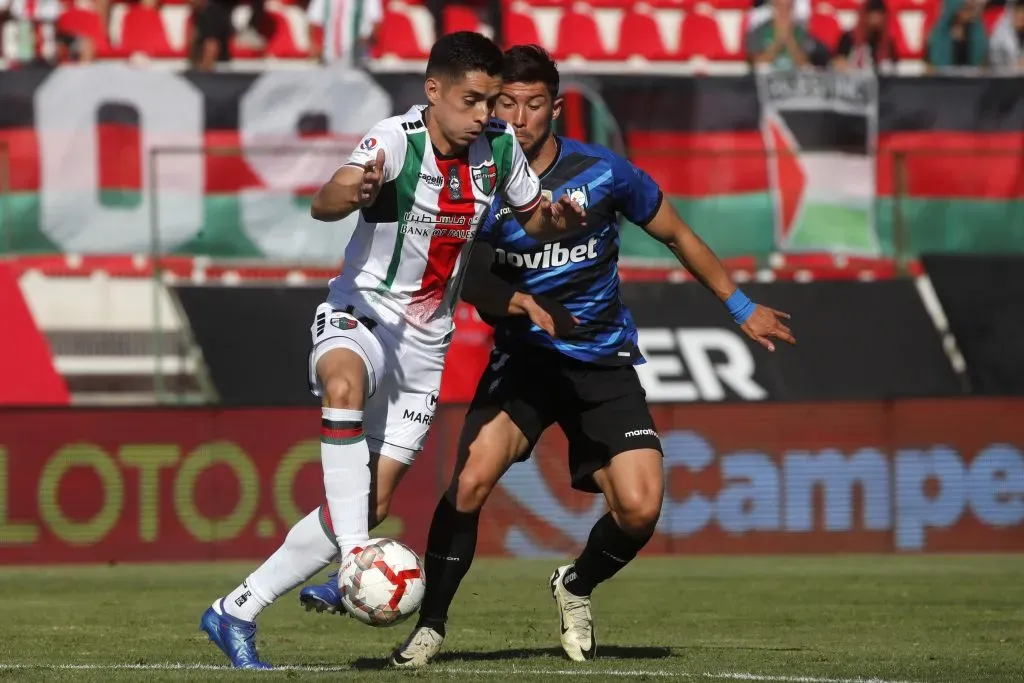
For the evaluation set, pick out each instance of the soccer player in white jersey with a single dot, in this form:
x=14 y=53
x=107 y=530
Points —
x=423 y=182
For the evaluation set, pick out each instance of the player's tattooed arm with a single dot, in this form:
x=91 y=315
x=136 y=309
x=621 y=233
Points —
x=492 y=296
x=760 y=323
x=351 y=188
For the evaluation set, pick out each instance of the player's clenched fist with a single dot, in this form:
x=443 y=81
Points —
x=373 y=178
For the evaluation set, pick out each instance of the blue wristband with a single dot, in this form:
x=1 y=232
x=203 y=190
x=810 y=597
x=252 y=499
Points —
x=740 y=307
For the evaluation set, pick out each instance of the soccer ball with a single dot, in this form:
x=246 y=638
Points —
x=382 y=583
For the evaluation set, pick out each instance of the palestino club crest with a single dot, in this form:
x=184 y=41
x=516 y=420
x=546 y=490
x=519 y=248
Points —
x=343 y=322
x=485 y=177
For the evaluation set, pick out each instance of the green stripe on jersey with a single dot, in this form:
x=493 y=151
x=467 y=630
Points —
x=501 y=149
x=406 y=184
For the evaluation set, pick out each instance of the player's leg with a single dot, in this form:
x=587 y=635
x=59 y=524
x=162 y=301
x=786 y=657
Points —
x=488 y=446
x=344 y=453
x=230 y=621
x=399 y=416
x=345 y=358
x=309 y=546
x=614 y=449
x=506 y=417
x=386 y=474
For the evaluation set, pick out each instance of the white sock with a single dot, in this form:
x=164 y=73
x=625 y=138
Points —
x=346 y=462
x=306 y=550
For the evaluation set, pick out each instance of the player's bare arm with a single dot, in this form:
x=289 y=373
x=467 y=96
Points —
x=350 y=188
x=758 y=322
x=493 y=296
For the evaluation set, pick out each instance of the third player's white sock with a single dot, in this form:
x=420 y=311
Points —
x=306 y=550
x=346 y=462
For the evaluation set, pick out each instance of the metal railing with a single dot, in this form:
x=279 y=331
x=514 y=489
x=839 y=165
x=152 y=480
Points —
x=253 y=213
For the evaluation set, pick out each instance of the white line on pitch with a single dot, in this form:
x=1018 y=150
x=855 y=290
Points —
x=617 y=673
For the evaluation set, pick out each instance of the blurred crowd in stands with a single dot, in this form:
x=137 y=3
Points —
x=207 y=34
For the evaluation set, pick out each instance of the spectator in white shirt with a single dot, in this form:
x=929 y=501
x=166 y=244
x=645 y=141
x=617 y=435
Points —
x=349 y=29
x=1006 y=46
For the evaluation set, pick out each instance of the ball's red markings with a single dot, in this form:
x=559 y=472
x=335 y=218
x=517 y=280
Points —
x=398 y=580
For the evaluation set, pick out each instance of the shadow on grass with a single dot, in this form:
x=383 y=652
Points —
x=604 y=652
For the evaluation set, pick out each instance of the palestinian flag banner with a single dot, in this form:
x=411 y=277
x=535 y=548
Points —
x=820 y=136
x=108 y=158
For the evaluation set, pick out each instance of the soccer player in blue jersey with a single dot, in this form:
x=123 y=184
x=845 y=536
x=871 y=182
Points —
x=565 y=348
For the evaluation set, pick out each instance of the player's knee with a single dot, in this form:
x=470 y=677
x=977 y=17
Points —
x=475 y=485
x=341 y=392
x=639 y=510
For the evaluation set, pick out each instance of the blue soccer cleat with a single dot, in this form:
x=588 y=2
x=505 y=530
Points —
x=235 y=637
x=325 y=597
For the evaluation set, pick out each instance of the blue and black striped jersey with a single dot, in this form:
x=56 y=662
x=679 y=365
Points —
x=581 y=271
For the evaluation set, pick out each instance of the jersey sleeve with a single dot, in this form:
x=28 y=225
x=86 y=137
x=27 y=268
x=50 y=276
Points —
x=387 y=135
x=637 y=196
x=522 y=187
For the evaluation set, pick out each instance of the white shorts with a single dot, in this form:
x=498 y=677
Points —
x=404 y=379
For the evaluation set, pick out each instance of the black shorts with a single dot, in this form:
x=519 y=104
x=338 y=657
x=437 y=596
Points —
x=602 y=409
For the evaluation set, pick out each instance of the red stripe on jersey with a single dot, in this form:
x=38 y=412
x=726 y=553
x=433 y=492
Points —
x=456 y=211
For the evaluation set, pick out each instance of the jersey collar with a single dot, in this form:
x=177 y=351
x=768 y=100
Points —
x=554 y=161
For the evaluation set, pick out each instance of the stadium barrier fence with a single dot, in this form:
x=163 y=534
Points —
x=136 y=485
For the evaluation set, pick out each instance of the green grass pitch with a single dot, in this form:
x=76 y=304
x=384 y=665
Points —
x=800 y=619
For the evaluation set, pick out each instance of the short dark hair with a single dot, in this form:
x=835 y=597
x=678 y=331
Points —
x=459 y=53
x=530 y=64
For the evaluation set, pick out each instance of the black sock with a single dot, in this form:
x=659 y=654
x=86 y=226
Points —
x=451 y=544
x=608 y=550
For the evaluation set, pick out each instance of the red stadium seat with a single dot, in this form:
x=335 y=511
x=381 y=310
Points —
x=825 y=27
x=578 y=37
x=904 y=49
x=639 y=36
x=398 y=38
x=282 y=43
x=544 y=3
x=519 y=29
x=611 y=4
x=743 y=5
x=460 y=18
x=143 y=32
x=699 y=36
x=77 y=21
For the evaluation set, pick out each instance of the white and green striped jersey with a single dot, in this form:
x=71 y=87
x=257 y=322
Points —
x=404 y=262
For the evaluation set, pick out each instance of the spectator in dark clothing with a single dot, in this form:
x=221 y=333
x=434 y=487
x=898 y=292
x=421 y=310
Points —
x=869 y=44
x=211 y=41
x=958 y=38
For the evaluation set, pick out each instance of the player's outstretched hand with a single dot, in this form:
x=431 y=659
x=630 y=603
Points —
x=764 y=324
x=549 y=315
x=565 y=214
x=373 y=178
